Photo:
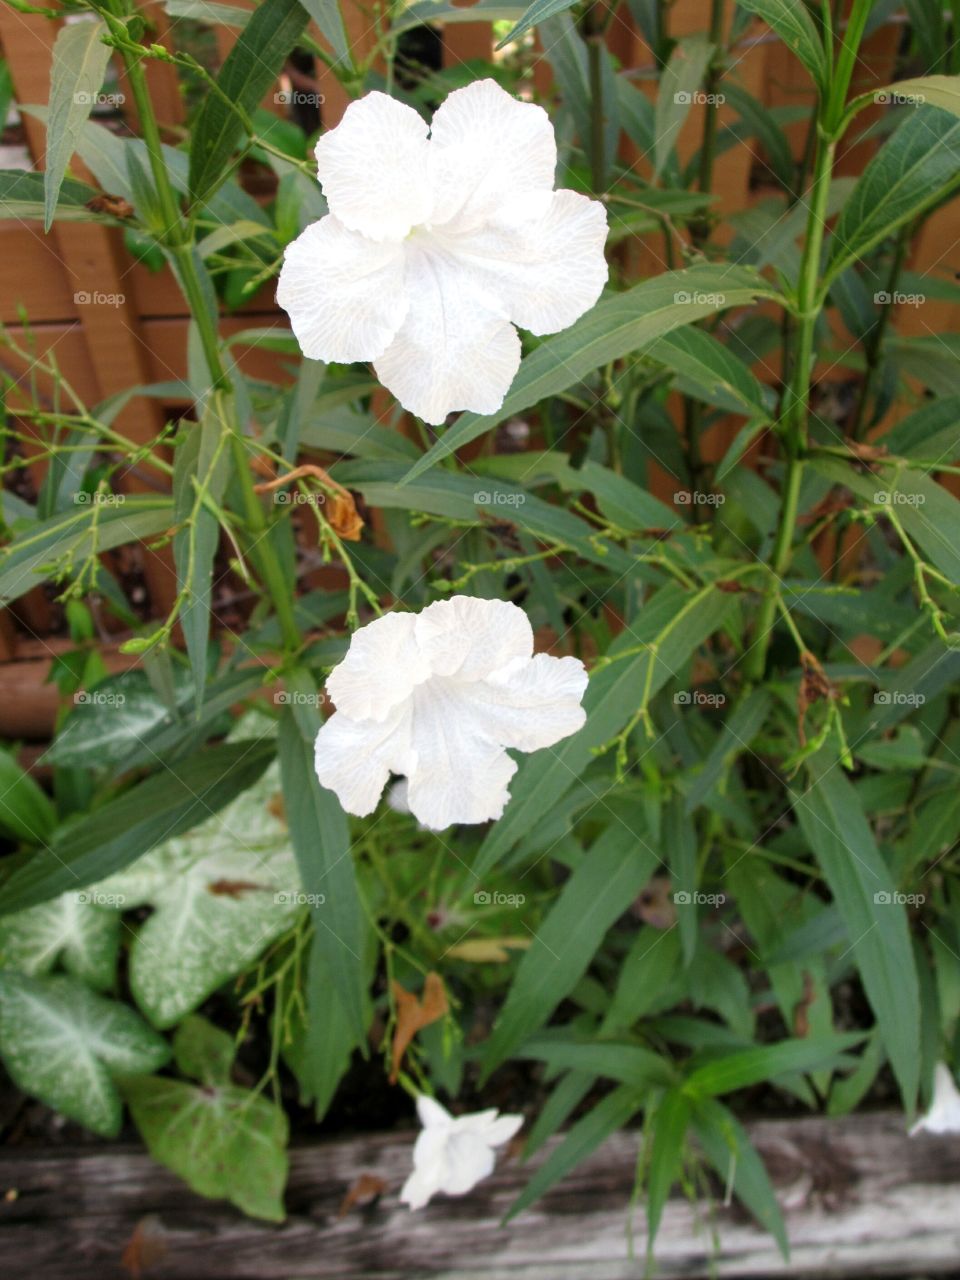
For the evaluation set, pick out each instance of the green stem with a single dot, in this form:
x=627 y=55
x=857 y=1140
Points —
x=701 y=229
x=874 y=343
x=594 y=27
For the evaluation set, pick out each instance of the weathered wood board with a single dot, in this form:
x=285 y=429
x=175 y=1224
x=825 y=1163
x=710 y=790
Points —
x=860 y=1198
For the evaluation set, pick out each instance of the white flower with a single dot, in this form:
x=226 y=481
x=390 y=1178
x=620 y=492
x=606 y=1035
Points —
x=434 y=245
x=944 y=1113
x=437 y=696
x=453 y=1155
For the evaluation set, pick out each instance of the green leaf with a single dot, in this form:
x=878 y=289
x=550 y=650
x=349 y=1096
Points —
x=202 y=466
x=25 y=811
x=767 y=1062
x=22 y=198
x=740 y=728
x=670 y=1122
x=427 y=12
x=611 y=874
x=934 y=91
x=680 y=840
x=791 y=20
x=202 y=1051
x=733 y=1156
x=220 y=895
x=834 y=825
x=710 y=372
x=326 y=14
x=615 y=1060
x=539 y=11
x=85 y=937
x=117 y=833
x=929 y=434
x=251 y=67
x=681 y=77
x=321 y=841
x=210 y=12
x=910 y=172
x=64 y=1045
x=613 y=1112
x=618 y=325
x=670 y=626
x=223 y=1141
x=74 y=536
x=79 y=64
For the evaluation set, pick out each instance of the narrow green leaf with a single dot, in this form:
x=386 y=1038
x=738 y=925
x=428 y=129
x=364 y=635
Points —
x=766 y=1062
x=791 y=20
x=934 y=91
x=612 y=873
x=79 y=64
x=679 y=81
x=734 y=1157
x=670 y=1123
x=613 y=1112
x=618 y=325
x=321 y=842
x=25 y=810
x=680 y=842
x=740 y=728
x=251 y=67
x=615 y=1060
x=710 y=372
x=326 y=14
x=22 y=198
x=539 y=11
x=834 y=825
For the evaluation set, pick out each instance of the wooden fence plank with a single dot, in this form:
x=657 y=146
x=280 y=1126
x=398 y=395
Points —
x=860 y=1199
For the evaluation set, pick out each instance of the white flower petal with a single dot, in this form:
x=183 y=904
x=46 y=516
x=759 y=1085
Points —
x=380 y=669
x=459 y=774
x=354 y=758
x=489 y=152
x=469 y=1159
x=344 y=293
x=456 y=349
x=419 y=1188
x=373 y=167
x=533 y=703
x=431 y=1113
x=549 y=270
x=944 y=1113
x=493 y=1128
x=469 y=637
